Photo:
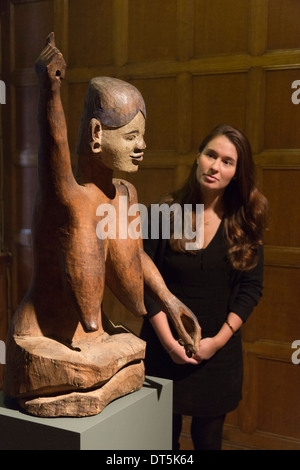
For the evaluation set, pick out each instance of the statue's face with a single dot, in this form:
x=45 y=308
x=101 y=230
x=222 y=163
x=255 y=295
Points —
x=122 y=148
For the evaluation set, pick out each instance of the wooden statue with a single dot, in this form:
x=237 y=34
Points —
x=64 y=356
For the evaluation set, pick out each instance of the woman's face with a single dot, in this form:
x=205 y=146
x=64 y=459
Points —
x=217 y=164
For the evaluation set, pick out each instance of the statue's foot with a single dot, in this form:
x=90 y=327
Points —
x=78 y=404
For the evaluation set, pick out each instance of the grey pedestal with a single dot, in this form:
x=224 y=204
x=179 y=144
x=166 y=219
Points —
x=139 y=421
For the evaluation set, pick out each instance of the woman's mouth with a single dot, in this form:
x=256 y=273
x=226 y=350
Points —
x=210 y=178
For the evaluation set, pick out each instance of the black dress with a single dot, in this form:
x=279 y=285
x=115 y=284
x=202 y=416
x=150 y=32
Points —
x=209 y=286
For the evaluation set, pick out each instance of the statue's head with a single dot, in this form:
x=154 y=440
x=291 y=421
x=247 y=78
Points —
x=113 y=124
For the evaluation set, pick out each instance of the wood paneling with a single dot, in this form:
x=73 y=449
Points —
x=29 y=20
x=74 y=110
x=277 y=415
x=218 y=98
x=4 y=300
x=94 y=21
x=281 y=186
x=26 y=132
x=275 y=316
x=279 y=110
x=144 y=17
x=197 y=63
x=221 y=27
x=282 y=18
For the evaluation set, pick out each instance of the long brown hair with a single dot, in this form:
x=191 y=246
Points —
x=245 y=215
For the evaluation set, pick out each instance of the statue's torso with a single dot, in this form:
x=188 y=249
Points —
x=72 y=264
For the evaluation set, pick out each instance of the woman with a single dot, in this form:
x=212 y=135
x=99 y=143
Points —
x=221 y=283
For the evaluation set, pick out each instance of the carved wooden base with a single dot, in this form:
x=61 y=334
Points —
x=49 y=378
x=79 y=404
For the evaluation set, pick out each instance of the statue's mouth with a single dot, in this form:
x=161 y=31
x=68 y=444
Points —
x=137 y=157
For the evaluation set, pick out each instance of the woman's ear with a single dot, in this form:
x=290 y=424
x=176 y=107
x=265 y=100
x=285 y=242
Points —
x=96 y=132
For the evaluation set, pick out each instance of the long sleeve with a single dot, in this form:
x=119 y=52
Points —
x=248 y=289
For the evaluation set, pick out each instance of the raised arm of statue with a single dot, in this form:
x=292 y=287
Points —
x=64 y=220
x=55 y=170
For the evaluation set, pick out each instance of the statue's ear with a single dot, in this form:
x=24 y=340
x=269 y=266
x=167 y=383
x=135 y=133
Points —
x=95 y=133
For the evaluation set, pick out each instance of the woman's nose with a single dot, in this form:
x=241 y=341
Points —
x=215 y=165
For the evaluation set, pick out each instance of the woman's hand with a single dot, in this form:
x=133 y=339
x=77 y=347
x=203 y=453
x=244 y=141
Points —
x=178 y=355
x=208 y=347
x=176 y=351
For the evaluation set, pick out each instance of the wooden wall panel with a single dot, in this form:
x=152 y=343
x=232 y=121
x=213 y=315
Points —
x=276 y=314
x=26 y=132
x=197 y=63
x=73 y=112
x=215 y=22
x=26 y=185
x=92 y=24
x=277 y=415
x=144 y=17
x=4 y=300
x=219 y=98
x=282 y=117
x=23 y=254
x=283 y=18
x=29 y=20
x=281 y=186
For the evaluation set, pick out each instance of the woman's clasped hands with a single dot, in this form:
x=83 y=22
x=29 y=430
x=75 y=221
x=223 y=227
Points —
x=207 y=348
